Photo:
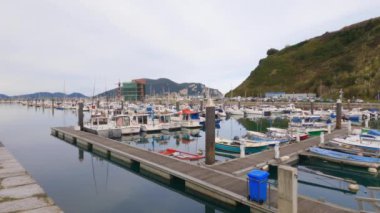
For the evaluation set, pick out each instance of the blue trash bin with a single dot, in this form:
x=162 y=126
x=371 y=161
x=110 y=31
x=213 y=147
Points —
x=257 y=184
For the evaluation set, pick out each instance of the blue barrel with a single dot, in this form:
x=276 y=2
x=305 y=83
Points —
x=257 y=183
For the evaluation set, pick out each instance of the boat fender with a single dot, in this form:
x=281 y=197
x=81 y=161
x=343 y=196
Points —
x=284 y=158
x=353 y=187
x=372 y=170
x=265 y=168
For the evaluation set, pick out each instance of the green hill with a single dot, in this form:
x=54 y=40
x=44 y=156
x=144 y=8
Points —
x=347 y=59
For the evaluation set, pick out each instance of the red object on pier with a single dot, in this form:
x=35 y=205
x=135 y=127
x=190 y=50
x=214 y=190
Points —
x=181 y=155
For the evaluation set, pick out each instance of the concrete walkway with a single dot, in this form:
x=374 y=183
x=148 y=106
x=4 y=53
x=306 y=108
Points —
x=19 y=192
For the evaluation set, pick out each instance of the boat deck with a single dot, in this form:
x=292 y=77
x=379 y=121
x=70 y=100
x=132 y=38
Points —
x=207 y=181
x=241 y=166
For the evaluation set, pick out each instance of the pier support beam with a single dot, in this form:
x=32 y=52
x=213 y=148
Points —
x=210 y=133
x=338 y=114
x=287 y=189
x=80 y=116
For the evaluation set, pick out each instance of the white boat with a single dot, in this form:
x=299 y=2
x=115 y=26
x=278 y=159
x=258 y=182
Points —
x=253 y=111
x=125 y=123
x=356 y=140
x=147 y=123
x=166 y=121
x=234 y=111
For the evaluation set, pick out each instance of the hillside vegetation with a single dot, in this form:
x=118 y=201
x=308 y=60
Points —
x=347 y=59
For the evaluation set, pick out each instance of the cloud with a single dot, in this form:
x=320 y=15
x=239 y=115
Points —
x=44 y=43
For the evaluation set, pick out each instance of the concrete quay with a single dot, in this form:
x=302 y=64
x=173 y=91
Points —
x=19 y=192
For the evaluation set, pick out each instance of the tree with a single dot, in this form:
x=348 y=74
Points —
x=272 y=51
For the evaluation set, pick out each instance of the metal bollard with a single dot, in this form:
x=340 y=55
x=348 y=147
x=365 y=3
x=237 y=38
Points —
x=349 y=127
x=242 y=149
x=277 y=151
x=322 y=137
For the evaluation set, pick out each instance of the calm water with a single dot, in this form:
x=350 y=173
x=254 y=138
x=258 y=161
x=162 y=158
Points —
x=92 y=184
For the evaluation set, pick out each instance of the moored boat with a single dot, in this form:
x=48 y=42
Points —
x=181 y=155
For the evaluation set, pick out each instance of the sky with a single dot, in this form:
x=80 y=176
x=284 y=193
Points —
x=88 y=46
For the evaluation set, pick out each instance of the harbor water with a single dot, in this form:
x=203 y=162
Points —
x=81 y=182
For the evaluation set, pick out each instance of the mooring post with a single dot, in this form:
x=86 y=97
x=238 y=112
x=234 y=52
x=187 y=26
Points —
x=348 y=104
x=338 y=114
x=287 y=189
x=312 y=107
x=277 y=151
x=52 y=103
x=349 y=127
x=366 y=122
x=242 y=149
x=81 y=154
x=80 y=116
x=177 y=106
x=210 y=133
x=329 y=128
x=97 y=104
x=298 y=139
x=201 y=106
x=322 y=135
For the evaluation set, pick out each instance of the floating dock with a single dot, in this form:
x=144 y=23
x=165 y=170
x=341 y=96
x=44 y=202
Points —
x=19 y=192
x=241 y=166
x=221 y=186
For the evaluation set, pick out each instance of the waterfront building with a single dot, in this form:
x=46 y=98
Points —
x=134 y=90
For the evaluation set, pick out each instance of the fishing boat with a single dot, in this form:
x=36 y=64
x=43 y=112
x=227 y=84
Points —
x=340 y=157
x=292 y=133
x=234 y=146
x=147 y=123
x=189 y=119
x=126 y=125
x=358 y=141
x=181 y=155
x=166 y=121
x=254 y=136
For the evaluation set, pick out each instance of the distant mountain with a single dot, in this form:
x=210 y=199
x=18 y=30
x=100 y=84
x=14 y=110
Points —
x=47 y=95
x=164 y=85
x=2 y=96
x=347 y=59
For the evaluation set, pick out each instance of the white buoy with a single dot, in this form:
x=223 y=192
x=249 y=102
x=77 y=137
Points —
x=322 y=137
x=265 y=168
x=277 y=151
x=372 y=170
x=242 y=149
x=329 y=128
x=349 y=127
x=353 y=187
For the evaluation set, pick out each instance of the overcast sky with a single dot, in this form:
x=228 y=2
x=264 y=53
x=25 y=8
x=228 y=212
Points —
x=46 y=44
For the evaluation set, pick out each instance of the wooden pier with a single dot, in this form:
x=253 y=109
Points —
x=209 y=181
